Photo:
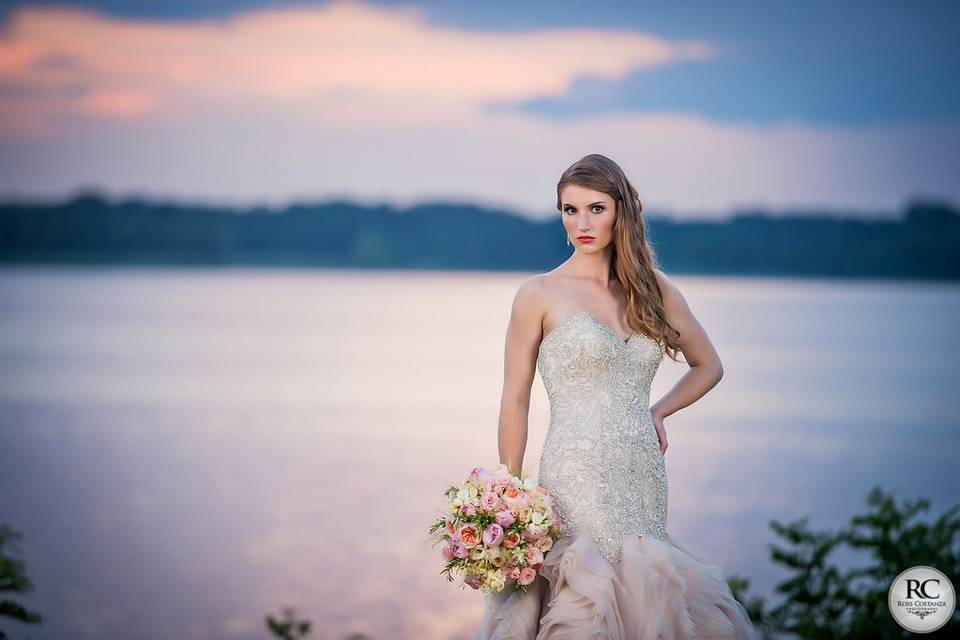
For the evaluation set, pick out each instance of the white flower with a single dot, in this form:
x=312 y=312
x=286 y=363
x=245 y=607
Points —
x=463 y=495
x=496 y=580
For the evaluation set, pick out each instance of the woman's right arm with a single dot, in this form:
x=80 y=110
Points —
x=524 y=333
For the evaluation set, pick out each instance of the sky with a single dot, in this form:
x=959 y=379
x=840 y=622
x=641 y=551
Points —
x=711 y=108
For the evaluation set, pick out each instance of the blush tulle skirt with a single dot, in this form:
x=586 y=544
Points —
x=658 y=590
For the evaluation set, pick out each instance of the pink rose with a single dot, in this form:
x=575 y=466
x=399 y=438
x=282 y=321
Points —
x=468 y=509
x=447 y=551
x=505 y=518
x=527 y=575
x=534 y=555
x=493 y=535
x=460 y=550
x=513 y=573
x=489 y=501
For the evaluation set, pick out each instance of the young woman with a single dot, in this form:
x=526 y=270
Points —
x=597 y=328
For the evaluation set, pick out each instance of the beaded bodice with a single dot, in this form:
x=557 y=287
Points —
x=601 y=458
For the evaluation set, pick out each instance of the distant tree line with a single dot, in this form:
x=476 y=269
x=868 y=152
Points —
x=923 y=243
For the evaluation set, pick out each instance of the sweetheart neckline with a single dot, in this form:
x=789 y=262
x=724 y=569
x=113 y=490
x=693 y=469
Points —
x=596 y=321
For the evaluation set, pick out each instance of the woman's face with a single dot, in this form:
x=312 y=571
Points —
x=588 y=217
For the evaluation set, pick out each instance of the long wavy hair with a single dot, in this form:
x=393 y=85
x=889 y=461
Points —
x=633 y=259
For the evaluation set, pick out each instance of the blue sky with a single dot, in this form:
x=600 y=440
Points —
x=844 y=105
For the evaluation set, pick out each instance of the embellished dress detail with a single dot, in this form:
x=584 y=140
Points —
x=617 y=574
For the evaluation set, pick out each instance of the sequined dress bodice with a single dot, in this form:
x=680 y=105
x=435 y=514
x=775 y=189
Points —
x=601 y=457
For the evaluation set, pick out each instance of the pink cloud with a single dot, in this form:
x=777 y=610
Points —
x=345 y=63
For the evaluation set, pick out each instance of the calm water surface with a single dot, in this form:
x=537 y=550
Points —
x=187 y=451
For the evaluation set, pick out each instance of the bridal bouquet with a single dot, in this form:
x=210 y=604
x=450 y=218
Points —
x=498 y=529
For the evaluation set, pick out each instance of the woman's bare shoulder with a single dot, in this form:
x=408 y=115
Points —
x=668 y=288
x=532 y=292
x=674 y=303
x=532 y=301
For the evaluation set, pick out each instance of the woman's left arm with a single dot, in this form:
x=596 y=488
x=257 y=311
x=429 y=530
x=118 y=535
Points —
x=705 y=371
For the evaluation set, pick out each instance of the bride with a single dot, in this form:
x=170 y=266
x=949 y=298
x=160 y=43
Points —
x=597 y=328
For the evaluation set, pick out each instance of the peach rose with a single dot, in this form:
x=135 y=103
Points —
x=469 y=535
x=544 y=544
x=511 y=540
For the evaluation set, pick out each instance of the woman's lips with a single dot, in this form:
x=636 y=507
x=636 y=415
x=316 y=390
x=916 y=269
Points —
x=585 y=238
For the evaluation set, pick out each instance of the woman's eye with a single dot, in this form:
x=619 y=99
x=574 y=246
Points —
x=596 y=209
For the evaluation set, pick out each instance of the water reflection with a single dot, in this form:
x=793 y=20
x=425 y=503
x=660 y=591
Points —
x=188 y=450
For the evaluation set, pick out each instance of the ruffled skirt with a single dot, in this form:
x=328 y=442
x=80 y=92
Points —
x=657 y=590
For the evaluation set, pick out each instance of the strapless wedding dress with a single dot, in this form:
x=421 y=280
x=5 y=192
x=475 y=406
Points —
x=618 y=574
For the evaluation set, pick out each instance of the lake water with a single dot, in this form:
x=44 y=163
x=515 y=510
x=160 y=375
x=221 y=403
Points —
x=189 y=450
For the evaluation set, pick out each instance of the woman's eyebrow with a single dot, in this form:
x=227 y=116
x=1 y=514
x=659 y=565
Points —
x=567 y=204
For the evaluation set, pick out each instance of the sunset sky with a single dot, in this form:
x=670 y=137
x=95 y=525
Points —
x=710 y=107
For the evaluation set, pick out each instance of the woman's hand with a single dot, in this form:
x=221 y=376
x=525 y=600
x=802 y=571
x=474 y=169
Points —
x=661 y=431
